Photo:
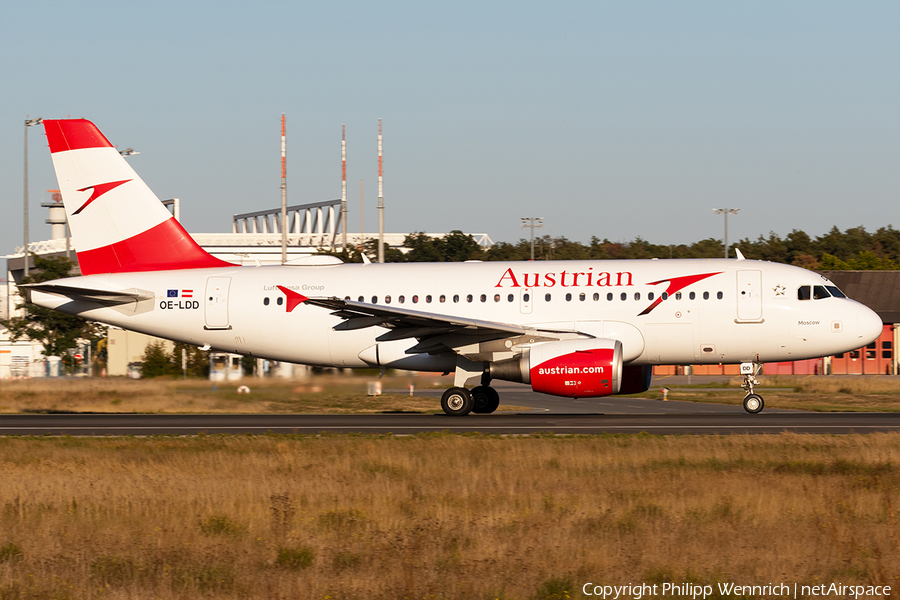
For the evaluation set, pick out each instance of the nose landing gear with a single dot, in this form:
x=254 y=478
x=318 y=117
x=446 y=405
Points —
x=753 y=403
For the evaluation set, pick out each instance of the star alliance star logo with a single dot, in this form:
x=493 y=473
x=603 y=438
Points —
x=779 y=290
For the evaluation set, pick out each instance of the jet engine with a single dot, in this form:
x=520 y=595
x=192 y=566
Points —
x=572 y=368
x=636 y=379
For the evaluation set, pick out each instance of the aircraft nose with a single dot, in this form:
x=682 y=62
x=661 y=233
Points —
x=868 y=325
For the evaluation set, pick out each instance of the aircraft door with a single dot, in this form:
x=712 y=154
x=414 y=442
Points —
x=216 y=299
x=749 y=296
x=526 y=300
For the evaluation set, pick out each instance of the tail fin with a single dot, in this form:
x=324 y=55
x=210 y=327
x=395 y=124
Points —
x=118 y=224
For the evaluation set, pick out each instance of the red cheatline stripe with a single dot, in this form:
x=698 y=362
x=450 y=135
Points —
x=73 y=134
x=166 y=246
x=675 y=284
x=293 y=298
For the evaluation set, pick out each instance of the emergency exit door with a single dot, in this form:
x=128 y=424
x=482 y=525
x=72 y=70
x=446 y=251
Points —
x=216 y=300
x=749 y=296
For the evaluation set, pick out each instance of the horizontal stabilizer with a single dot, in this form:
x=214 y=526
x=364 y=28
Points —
x=108 y=297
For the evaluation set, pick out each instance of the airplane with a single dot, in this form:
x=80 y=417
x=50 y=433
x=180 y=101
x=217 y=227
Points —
x=578 y=329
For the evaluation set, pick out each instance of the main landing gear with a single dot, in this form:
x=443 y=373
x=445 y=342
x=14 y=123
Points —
x=753 y=403
x=458 y=401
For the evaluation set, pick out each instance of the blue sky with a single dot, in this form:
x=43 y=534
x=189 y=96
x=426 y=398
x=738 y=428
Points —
x=613 y=119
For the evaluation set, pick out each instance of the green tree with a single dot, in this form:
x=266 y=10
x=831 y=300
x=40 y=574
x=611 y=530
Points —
x=507 y=251
x=157 y=362
x=58 y=332
x=197 y=360
x=458 y=246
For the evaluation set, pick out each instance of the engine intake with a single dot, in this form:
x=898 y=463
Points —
x=571 y=368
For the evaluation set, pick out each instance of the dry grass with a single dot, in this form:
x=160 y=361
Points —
x=441 y=516
x=321 y=394
x=867 y=385
x=347 y=394
x=823 y=394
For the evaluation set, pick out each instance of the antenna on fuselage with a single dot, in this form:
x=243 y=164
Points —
x=738 y=252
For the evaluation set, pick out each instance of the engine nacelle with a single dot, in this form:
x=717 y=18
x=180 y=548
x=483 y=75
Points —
x=636 y=379
x=572 y=368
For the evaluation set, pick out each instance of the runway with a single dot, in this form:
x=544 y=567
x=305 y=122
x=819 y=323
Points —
x=497 y=423
x=543 y=414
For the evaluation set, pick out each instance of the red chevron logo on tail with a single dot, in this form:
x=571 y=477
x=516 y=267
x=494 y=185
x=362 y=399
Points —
x=99 y=190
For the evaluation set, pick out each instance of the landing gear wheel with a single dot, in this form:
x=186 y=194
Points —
x=457 y=402
x=753 y=403
x=485 y=399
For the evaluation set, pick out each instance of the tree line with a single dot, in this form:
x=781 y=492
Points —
x=853 y=249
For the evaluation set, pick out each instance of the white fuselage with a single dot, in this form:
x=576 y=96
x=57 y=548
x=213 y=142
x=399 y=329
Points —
x=725 y=311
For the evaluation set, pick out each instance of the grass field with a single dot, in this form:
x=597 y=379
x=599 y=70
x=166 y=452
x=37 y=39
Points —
x=824 y=394
x=441 y=516
x=338 y=394
x=321 y=394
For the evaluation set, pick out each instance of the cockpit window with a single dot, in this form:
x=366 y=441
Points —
x=835 y=291
x=803 y=292
x=820 y=292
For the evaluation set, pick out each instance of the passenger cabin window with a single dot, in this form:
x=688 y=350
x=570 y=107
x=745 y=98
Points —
x=637 y=295
x=497 y=298
x=361 y=299
x=624 y=296
x=547 y=297
x=400 y=299
x=651 y=296
x=456 y=297
x=374 y=299
x=443 y=298
x=525 y=297
x=581 y=297
x=428 y=299
x=665 y=295
x=609 y=296
x=596 y=296
x=415 y=299
x=706 y=295
x=719 y=295
x=568 y=297
x=266 y=301
x=280 y=301
x=387 y=299
x=484 y=298
x=678 y=295
x=692 y=295
x=469 y=298
x=510 y=298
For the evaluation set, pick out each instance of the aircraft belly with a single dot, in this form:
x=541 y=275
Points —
x=669 y=343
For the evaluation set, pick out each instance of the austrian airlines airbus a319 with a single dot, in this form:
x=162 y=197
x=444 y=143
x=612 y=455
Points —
x=568 y=328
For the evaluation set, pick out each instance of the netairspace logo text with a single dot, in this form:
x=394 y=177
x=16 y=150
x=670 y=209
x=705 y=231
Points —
x=691 y=590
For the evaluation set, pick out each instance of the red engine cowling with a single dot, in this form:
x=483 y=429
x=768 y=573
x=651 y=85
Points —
x=572 y=368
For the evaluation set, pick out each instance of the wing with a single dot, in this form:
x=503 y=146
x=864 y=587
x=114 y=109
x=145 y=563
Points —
x=435 y=332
